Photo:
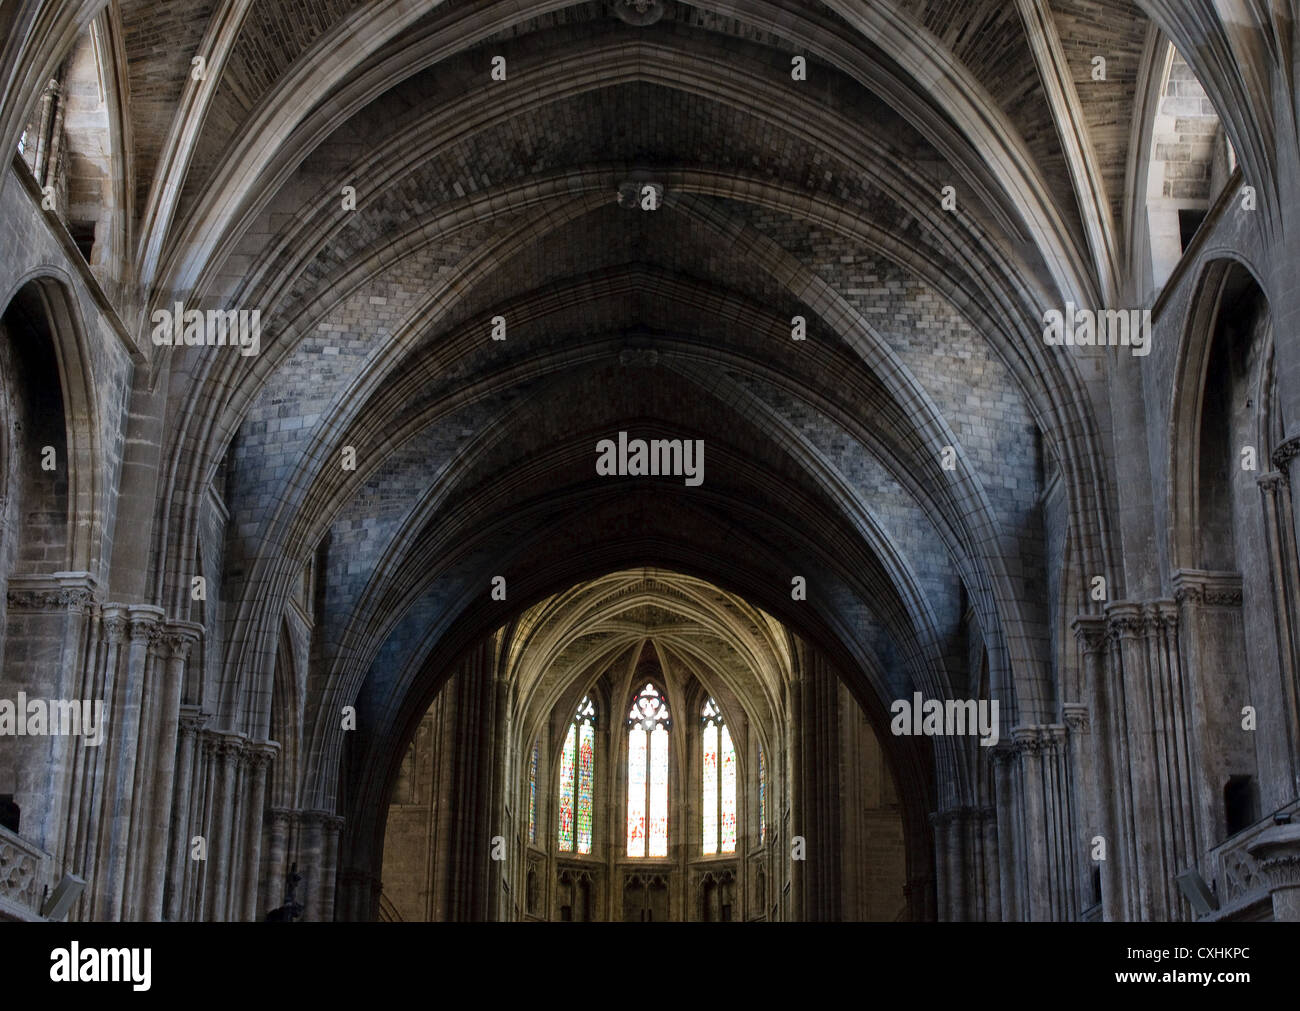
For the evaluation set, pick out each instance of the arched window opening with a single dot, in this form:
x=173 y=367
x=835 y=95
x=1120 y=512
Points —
x=648 y=723
x=577 y=779
x=532 y=793
x=718 y=802
x=762 y=798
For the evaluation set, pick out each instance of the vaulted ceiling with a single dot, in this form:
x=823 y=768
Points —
x=355 y=172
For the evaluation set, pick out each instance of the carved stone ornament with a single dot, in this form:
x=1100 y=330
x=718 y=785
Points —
x=639 y=12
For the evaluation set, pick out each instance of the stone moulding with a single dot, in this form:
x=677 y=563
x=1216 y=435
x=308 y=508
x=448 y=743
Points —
x=639 y=12
x=22 y=877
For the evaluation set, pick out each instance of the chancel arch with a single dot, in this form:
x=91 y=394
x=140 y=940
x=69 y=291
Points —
x=383 y=625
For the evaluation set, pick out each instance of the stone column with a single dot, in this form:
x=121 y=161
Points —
x=1276 y=852
x=331 y=828
x=992 y=868
x=1100 y=804
x=275 y=868
x=794 y=706
x=956 y=863
x=1003 y=757
x=259 y=756
x=224 y=836
x=177 y=644
x=1083 y=786
x=311 y=862
x=1133 y=846
x=942 y=824
x=189 y=724
x=507 y=878
x=1029 y=749
x=121 y=785
x=195 y=902
x=1286 y=458
x=147 y=764
x=113 y=628
x=87 y=764
x=1285 y=581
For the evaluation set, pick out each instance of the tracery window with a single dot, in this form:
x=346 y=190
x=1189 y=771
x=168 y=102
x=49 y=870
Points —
x=578 y=779
x=762 y=798
x=532 y=793
x=718 y=783
x=648 y=723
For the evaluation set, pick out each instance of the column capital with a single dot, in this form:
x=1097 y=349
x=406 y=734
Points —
x=1211 y=589
x=1002 y=753
x=1027 y=740
x=226 y=744
x=179 y=637
x=114 y=626
x=145 y=623
x=1076 y=716
x=1124 y=619
x=1090 y=631
x=192 y=719
x=61 y=591
x=260 y=754
x=1271 y=481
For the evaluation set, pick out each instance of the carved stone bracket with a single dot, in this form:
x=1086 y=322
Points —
x=1276 y=853
x=639 y=12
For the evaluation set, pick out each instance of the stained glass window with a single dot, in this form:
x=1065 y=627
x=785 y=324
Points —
x=718 y=783
x=532 y=794
x=578 y=779
x=648 y=724
x=586 y=768
x=762 y=799
x=566 y=790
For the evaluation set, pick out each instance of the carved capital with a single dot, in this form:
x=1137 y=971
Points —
x=115 y=629
x=1271 y=482
x=176 y=645
x=43 y=595
x=260 y=754
x=1124 y=620
x=230 y=747
x=1090 y=631
x=191 y=720
x=146 y=630
x=1027 y=741
x=1002 y=754
x=1076 y=716
x=1210 y=589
